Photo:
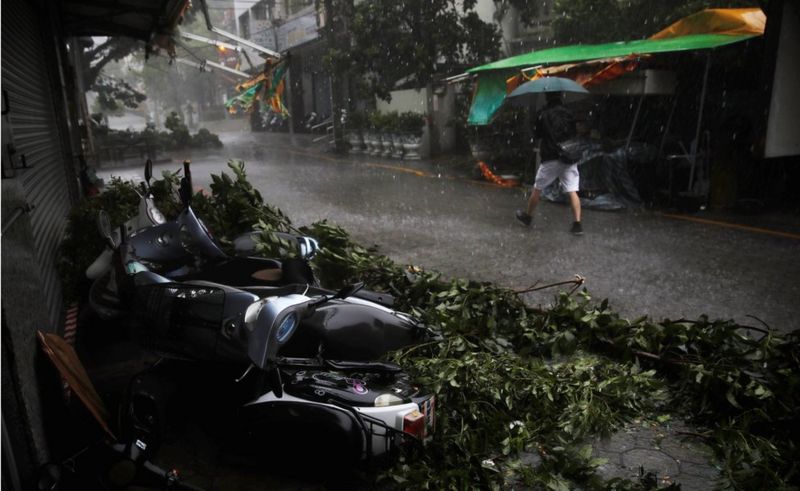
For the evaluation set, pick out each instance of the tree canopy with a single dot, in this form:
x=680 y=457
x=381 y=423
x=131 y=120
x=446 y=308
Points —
x=602 y=21
x=389 y=43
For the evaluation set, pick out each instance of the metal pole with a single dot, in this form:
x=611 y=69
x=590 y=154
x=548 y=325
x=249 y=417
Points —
x=288 y=94
x=633 y=125
x=696 y=142
x=80 y=97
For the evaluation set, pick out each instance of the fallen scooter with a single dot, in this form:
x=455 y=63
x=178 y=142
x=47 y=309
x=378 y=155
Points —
x=289 y=344
x=310 y=352
x=147 y=215
x=114 y=461
x=159 y=245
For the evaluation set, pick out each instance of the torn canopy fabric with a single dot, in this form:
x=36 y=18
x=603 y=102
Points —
x=490 y=91
x=246 y=99
x=733 y=22
x=267 y=87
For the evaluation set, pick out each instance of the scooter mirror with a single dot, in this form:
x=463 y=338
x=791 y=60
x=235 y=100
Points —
x=104 y=227
x=349 y=290
x=148 y=171
x=185 y=190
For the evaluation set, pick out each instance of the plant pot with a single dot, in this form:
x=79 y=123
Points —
x=412 y=146
x=386 y=140
x=373 y=143
x=356 y=142
x=397 y=144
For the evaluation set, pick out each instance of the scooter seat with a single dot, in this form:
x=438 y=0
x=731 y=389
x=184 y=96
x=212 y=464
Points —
x=364 y=366
x=145 y=278
x=239 y=271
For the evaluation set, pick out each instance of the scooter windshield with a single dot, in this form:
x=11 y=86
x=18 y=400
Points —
x=270 y=323
x=196 y=238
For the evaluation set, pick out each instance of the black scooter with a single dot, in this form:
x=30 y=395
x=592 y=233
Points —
x=310 y=353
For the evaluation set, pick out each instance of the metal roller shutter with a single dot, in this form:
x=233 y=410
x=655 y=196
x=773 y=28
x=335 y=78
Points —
x=28 y=85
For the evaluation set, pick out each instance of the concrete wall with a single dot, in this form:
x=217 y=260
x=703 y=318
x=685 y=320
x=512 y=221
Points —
x=784 y=109
x=24 y=313
x=404 y=101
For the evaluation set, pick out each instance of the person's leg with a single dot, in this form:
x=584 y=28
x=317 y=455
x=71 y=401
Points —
x=547 y=173
x=575 y=203
x=533 y=200
x=570 y=180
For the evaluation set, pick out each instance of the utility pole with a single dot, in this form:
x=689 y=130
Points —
x=334 y=33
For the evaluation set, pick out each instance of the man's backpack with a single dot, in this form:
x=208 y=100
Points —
x=560 y=126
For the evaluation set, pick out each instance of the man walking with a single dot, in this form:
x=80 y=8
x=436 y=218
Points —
x=555 y=124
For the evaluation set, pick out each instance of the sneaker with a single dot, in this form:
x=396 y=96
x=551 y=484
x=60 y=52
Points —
x=577 y=228
x=524 y=217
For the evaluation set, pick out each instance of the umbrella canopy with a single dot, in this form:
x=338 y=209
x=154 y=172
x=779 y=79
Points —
x=526 y=93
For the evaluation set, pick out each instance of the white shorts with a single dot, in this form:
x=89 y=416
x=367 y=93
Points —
x=551 y=170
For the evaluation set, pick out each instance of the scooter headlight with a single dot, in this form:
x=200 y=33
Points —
x=286 y=328
x=384 y=400
x=155 y=215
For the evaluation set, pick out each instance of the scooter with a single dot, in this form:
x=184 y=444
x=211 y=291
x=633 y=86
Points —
x=147 y=215
x=313 y=351
x=160 y=245
x=358 y=326
x=117 y=459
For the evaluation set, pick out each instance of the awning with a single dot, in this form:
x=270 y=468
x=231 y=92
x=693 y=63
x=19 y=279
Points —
x=707 y=29
x=584 y=52
x=152 y=21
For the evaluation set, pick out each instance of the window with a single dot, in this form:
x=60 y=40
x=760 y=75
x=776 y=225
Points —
x=260 y=10
x=298 y=5
x=244 y=25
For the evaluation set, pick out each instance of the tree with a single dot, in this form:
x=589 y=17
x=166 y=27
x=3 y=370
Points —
x=601 y=21
x=411 y=42
x=113 y=91
x=114 y=94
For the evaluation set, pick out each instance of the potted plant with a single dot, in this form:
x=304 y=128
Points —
x=412 y=124
x=372 y=138
x=390 y=121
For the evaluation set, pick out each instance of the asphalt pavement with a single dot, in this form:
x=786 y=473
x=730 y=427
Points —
x=436 y=215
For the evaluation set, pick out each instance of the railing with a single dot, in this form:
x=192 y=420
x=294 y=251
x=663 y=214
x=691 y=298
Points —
x=327 y=125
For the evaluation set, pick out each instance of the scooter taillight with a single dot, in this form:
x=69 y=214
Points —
x=414 y=424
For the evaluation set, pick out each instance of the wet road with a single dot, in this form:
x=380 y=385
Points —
x=645 y=263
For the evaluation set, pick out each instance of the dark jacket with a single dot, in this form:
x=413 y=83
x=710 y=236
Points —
x=555 y=123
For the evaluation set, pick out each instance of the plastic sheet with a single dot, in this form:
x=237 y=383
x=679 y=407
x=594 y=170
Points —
x=606 y=183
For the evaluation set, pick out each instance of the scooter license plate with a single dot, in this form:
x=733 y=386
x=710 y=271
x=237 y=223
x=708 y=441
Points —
x=428 y=409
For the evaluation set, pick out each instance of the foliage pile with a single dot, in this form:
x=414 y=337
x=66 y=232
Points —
x=82 y=241
x=491 y=371
x=516 y=384
x=234 y=207
x=177 y=137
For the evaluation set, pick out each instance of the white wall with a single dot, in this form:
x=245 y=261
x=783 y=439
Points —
x=438 y=103
x=784 y=110
x=404 y=101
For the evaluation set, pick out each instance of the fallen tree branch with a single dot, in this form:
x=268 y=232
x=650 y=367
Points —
x=577 y=282
x=705 y=435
